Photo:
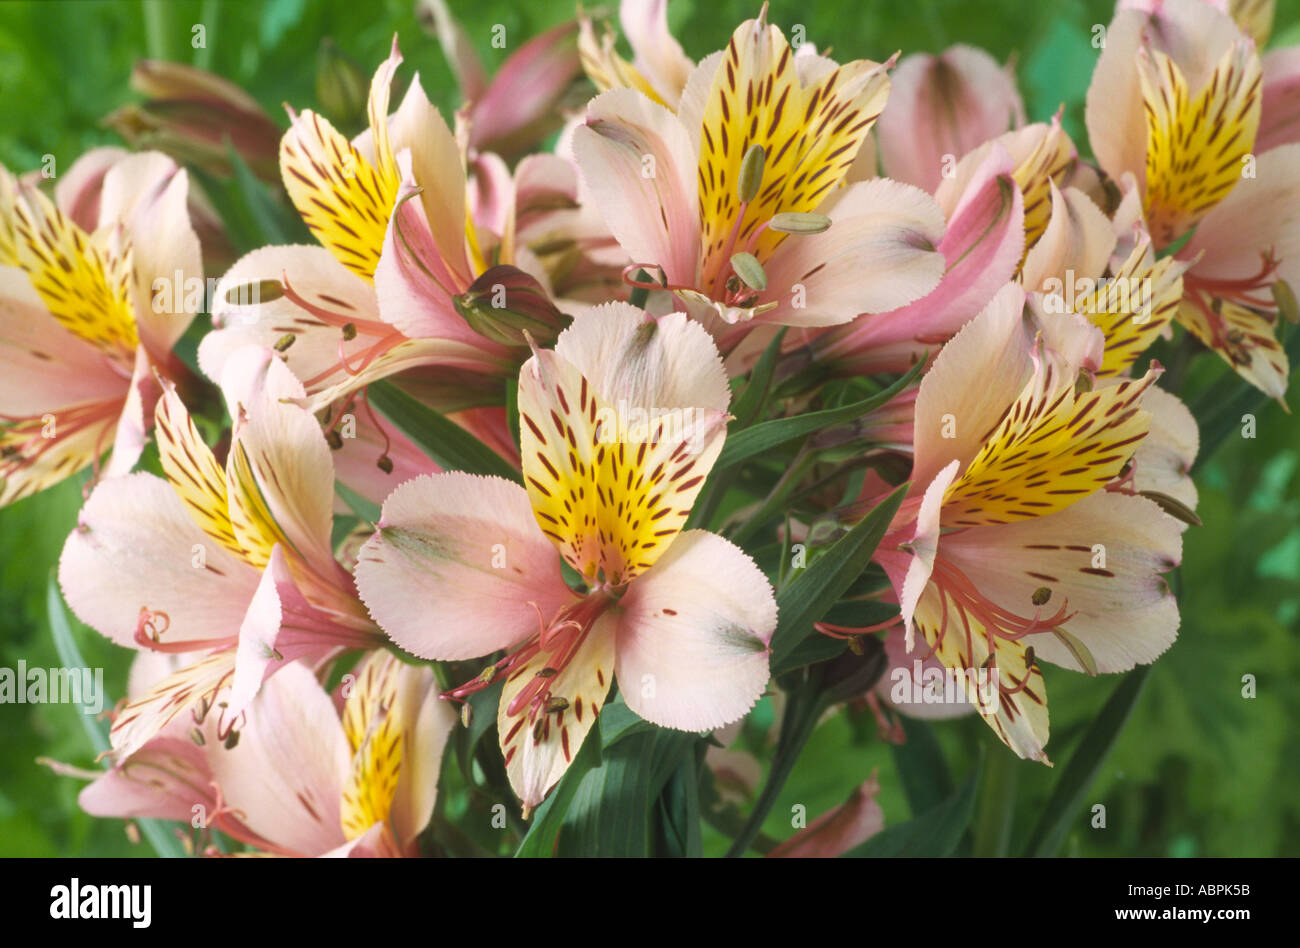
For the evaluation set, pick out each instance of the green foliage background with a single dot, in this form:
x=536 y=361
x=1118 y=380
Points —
x=1199 y=770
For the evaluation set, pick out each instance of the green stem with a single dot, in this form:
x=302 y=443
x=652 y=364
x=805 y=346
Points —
x=802 y=711
x=997 y=803
x=775 y=501
x=159 y=29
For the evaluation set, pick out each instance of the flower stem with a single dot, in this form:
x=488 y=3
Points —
x=803 y=709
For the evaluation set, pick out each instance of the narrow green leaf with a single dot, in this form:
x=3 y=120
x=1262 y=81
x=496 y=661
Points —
x=817 y=587
x=749 y=405
x=679 y=810
x=1063 y=805
x=934 y=834
x=921 y=767
x=771 y=434
x=451 y=446
x=367 y=510
x=610 y=814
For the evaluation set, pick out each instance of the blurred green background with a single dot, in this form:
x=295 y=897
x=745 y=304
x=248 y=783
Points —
x=1199 y=770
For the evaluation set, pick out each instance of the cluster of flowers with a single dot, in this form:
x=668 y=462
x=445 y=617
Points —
x=583 y=313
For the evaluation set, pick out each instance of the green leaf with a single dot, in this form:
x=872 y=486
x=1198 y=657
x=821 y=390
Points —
x=155 y=831
x=1063 y=805
x=749 y=405
x=367 y=510
x=451 y=446
x=763 y=437
x=679 y=810
x=921 y=767
x=818 y=586
x=611 y=812
x=936 y=833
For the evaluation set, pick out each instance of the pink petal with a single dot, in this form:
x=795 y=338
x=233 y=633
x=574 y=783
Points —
x=1076 y=245
x=1260 y=215
x=636 y=158
x=135 y=547
x=976 y=375
x=837 y=831
x=1163 y=459
x=878 y=254
x=413 y=283
x=280 y=627
x=1279 y=117
x=982 y=248
x=149 y=194
x=656 y=53
x=1125 y=613
x=165 y=780
x=1114 y=114
x=459 y=568
x=286 y=452
x=45 y=366
x=77 y=190
x=136 y=419
x=693 y=633
x=316 y=276
x=285 y=774
x=941 y=107
x=674 y=366
x=521 y=104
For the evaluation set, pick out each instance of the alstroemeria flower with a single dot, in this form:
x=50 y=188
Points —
x=293 y=774
x=1225 y=177
x=86 y=317
x=619 y=426
x=235 y=560
x=379 y=297
x=659 y=68
x=1019 y=544
x=1245 y=258
x=1175 y=101
x=722 y=203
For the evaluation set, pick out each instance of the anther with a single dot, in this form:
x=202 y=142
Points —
x=751 y=173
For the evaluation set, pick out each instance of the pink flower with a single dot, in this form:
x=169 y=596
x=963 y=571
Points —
x=296 y=774
x=231 y=561
x=620 y=426
x=87 y=317
x=1024 y=542
x=735 y=204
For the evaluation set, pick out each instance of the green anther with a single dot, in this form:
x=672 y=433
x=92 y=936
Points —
x=792 y=222
x=751 y=173
x=749 y=270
